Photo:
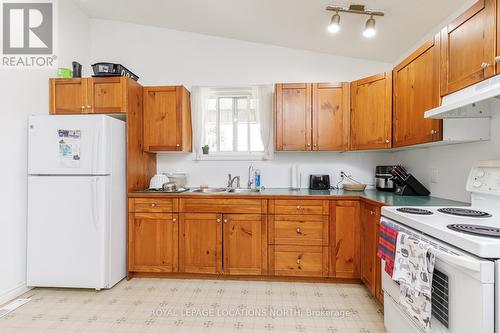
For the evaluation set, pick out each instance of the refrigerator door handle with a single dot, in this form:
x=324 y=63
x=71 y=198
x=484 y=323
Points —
x=94 y=202
x=95 y=153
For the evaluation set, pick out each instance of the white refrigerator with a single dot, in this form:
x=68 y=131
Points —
x=76 y=201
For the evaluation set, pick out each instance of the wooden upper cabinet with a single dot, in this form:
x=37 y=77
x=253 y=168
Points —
x=200 y=244
x=330 y=116
x=245 y=244
x=416 y=90
x=293 y=117
x=371 y=112
x=344 y=239
x=68 y=96
x=153 y=242
x=468 y=47
x=107 y=95
x=167 y=119
x=312 y=116
x=89 y=95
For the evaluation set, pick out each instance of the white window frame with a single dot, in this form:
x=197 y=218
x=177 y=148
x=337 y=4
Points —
x=232 y=155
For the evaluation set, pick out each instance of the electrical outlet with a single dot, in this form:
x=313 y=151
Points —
x=434 y=175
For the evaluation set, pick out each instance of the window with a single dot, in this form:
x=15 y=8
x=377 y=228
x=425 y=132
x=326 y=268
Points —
x=231 y=125
x=235 y=123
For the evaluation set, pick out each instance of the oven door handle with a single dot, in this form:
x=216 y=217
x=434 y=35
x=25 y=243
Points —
x=459 y=261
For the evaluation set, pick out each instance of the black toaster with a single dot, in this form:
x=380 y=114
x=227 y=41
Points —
x=319 y=182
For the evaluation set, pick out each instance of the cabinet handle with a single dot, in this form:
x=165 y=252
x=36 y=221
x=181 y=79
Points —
x=315 y=145
x=174 y=220
x=309 y=145
x=178 y=145
x=387 y=141
x=372 y=212
x=89 y=107
x=225 y=221
x=218 y=220
x=298 y=230
x=298 y=207
x=298 y=261
x=497 y=58
x=153 y=205
x=485 y=65
x=83 y=107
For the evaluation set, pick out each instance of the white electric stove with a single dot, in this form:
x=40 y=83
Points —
x=466 y=241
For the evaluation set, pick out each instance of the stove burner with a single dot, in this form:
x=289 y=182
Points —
x=464 y=212
x=416 y=211
x=477 y=230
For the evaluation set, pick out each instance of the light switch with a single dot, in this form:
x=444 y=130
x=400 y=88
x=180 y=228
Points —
x=434 y=175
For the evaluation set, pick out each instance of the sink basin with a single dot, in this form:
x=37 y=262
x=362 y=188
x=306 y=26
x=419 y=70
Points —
x=209 y=190
x=244 y=190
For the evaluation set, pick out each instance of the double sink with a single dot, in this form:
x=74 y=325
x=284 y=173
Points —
x=225 y=190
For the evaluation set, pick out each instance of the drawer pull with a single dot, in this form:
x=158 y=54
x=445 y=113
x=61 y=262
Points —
x=218 y=220
x=298 y=261
x=153 y=205
x=298 y=230
x=298 y=207
x=174 y=220
x=225 y=221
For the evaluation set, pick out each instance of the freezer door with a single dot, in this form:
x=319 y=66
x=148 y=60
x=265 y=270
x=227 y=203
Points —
x=68 y=231
x=69 y=145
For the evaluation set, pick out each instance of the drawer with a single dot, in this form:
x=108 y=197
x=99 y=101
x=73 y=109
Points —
x=315 y=207
x=232 y=206
x=298 y=230
x=152 y=205
x=285 y=260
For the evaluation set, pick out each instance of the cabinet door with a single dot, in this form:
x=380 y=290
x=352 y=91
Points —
x=371 y=112
x=245 y=244
x=368 y=246
x=68 y=96
x=416 y=90
x=200 y=248
x=468 y=47
x=293 y=117
x=162 y=119
x=344 y=239
x=153 y=242
x=107 y=95
x=330 y=116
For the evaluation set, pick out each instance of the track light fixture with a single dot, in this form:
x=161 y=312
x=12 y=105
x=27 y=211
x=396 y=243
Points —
x=369 y=30
x=334 y=25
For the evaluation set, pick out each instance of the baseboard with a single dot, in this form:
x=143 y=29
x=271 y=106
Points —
x=13 y=293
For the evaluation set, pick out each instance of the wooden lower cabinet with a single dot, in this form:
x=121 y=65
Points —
x=298 y=260
x=344 y=239
x=200 y=243
x=153 y=242
x=368 y=245
x=245 y=244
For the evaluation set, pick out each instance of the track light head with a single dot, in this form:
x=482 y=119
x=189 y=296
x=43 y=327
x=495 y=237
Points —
x=369 y=30
x=334 y=25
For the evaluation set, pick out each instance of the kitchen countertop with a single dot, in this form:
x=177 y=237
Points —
x=384 y=198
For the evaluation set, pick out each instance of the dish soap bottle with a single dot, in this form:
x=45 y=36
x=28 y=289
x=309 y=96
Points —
x=257 y=179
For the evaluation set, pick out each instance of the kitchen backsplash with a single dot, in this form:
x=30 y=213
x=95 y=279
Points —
x=276 y=173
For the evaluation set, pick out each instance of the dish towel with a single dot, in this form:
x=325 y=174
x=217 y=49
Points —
x=413 y=268
x=387 y=246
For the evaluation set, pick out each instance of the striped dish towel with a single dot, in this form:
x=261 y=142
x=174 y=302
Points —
x=387 y=246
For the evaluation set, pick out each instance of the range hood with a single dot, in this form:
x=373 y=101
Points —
x=477 y=101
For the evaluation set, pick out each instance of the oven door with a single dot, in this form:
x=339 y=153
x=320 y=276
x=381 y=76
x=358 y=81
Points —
x=462 y=295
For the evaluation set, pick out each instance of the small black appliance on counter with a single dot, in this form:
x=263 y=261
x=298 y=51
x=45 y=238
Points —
x=383 y=178
x=319 y=182
x=406 y=184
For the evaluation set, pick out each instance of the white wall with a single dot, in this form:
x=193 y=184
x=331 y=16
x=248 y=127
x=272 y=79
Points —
x=25 y=92
x=163 y=57
x=453 y=163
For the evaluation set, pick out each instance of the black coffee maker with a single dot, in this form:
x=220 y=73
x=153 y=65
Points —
x=319 y=182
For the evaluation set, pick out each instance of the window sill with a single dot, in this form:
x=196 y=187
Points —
x=234 y=157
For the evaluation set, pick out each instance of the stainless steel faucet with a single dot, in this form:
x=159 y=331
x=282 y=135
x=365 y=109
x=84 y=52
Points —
x=250 y=180
x=231 y=180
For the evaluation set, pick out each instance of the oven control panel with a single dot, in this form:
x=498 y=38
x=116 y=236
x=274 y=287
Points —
x=484 y=177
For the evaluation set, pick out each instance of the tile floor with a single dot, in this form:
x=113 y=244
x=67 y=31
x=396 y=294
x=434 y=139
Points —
x=166 y=305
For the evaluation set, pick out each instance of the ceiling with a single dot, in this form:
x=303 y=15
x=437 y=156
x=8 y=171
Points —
x=297 y=24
